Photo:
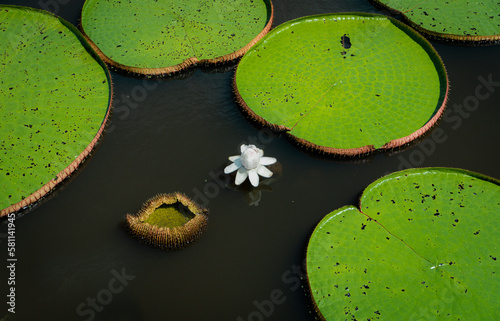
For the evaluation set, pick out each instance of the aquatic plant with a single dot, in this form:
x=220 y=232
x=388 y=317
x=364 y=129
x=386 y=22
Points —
x=344 y=83
x=468 y=22
x=251 y=163
x=161 y=37
x=168 y=221
x=423 y=244
x=56 y=100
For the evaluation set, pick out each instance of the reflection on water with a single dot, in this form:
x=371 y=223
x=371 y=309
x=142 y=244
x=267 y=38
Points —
x=252 y=194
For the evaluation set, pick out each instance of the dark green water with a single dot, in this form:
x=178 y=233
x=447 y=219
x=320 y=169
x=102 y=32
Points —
x=176 y=135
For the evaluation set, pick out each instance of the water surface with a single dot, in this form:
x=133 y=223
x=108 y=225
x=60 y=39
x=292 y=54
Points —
x=176 y=135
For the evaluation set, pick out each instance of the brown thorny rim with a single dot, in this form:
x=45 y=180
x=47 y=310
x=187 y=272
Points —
x=164 y=237
x=189 y=62
x=367 y=149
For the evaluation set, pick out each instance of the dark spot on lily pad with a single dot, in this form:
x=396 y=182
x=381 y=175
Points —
x=345 y=41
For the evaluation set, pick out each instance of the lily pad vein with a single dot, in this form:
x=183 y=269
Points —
x=418 y=4
x=317 y=102
x=387 y=230
x=188 y=38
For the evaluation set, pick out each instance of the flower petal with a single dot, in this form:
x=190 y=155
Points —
x=238 y=162
x=250 y=158
x=241 y=176
x=263 y=171
x=231 y=168
x=234 y=158
x=253 y=177
x=267 y=160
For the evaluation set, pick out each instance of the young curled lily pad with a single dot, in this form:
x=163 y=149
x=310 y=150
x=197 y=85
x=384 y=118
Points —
x=168 y=221
x=160 y=37
x=422 y=245
x=55 y=98
x=476 y=22
x=343 y=83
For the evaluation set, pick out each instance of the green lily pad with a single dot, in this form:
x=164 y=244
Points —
x=165 y=36
x=343 y=83
x=55 y=99
x=460 y=20
x=422 y=246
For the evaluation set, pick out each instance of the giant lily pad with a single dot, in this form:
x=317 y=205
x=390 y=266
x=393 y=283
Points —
x=343 y=83
x=159 y=37
x=463 y=20
x=55 y=100
x=422 y=246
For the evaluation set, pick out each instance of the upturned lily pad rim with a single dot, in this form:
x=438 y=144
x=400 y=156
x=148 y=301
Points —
x=65 y=173
x=440 y=169
x=439 y=36
x=367 y=149
x=168 y=199
x=359 y=207
x=168 y=238
x=189 y=62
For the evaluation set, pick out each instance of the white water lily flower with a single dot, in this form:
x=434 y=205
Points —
x=250 y=164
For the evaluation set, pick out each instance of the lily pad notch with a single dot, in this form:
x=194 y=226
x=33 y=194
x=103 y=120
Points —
x=168 y=221
x=422 y=244
x=351 y=87
x=186 y=34
x=461 y=22
x=62 y=116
